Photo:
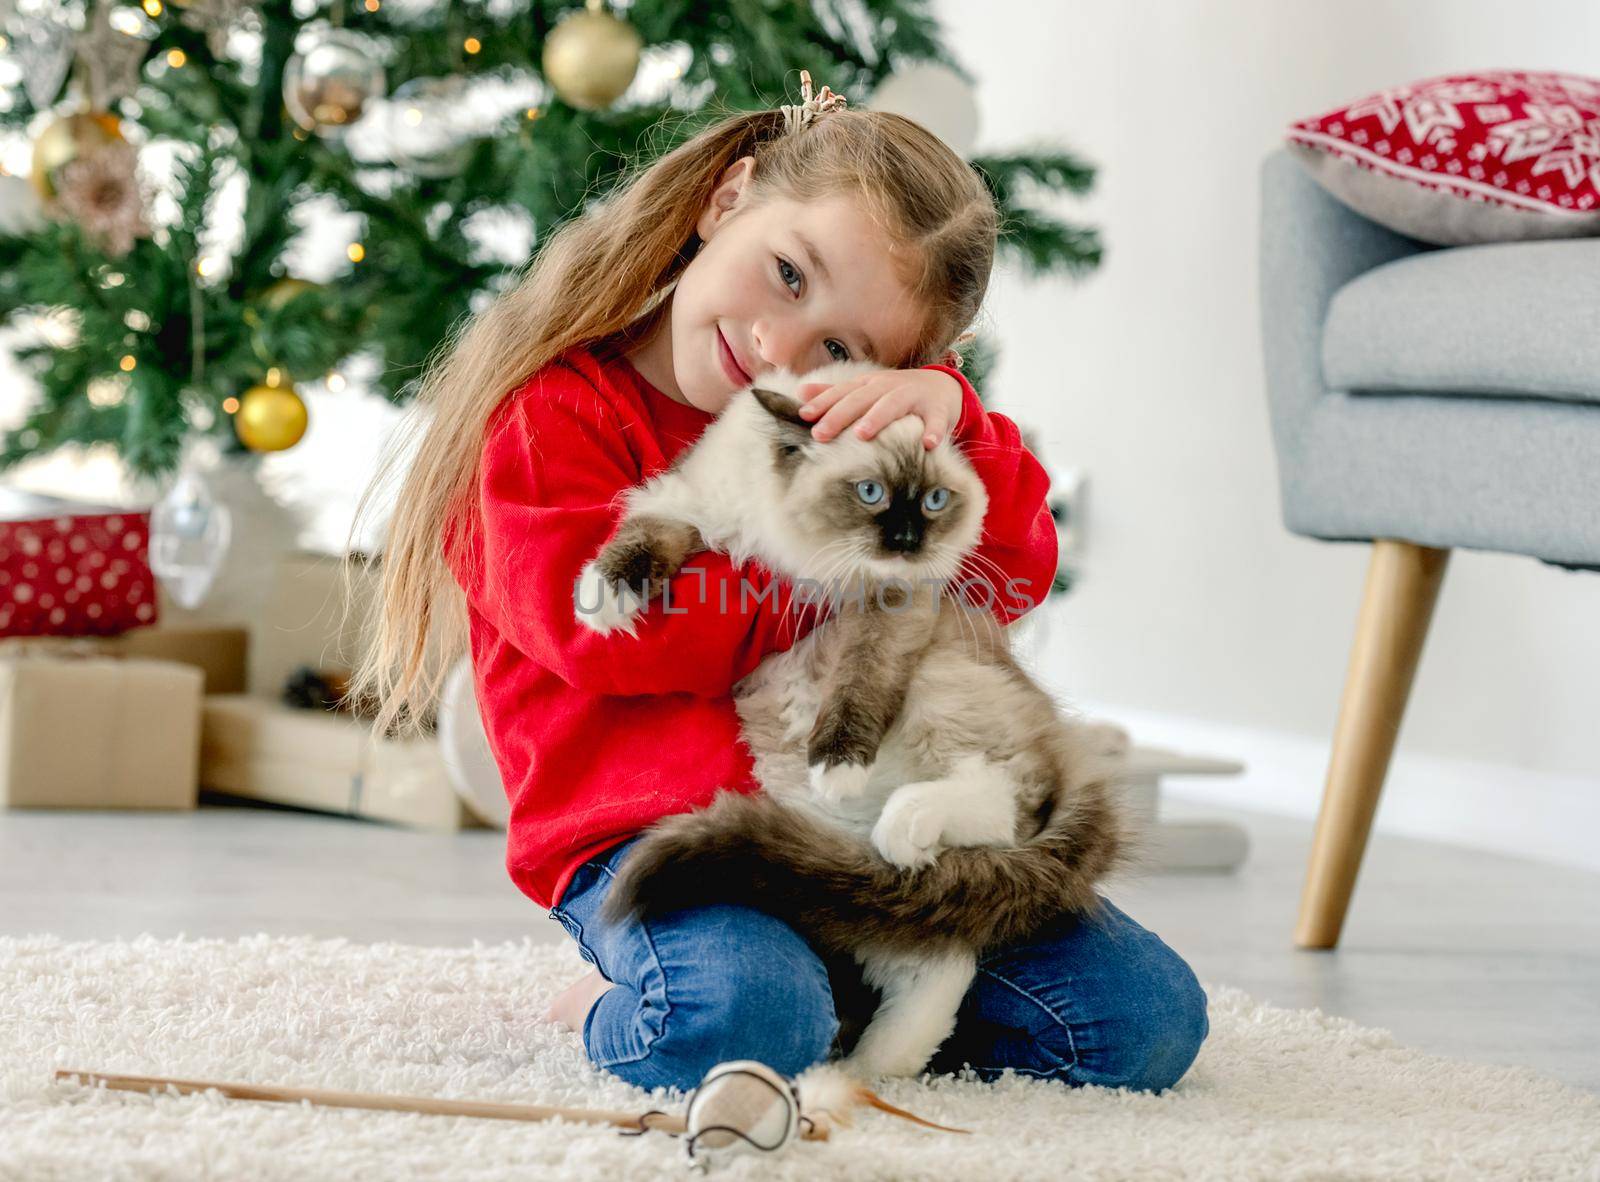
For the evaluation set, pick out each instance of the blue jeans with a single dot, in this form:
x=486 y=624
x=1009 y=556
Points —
x=1085 y=1002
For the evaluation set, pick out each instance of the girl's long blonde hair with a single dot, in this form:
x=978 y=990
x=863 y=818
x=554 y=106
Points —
x=604 y=277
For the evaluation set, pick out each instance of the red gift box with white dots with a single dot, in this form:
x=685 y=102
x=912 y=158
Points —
x=76 y=575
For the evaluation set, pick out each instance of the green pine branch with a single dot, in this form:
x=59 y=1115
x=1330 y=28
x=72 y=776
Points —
x=1043 y=244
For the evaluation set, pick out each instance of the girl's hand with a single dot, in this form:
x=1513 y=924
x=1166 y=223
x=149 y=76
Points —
x=875 y=400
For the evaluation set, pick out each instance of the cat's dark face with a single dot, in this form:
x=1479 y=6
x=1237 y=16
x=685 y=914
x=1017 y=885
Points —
x=886 y=507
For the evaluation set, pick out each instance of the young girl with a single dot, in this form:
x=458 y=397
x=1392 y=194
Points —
x=784 y=238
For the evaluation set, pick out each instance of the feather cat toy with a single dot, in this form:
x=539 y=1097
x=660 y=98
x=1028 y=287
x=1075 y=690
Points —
x=740 y=1106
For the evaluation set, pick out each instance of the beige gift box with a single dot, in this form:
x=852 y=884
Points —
x=98 y=732
x=219 y=651
x=255 y=747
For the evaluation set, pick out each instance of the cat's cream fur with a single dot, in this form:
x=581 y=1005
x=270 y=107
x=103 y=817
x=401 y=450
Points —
x=923 y=798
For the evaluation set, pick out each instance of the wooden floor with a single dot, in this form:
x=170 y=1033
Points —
x=1467 y=954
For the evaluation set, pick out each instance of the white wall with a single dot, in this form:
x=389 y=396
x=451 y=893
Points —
x=1196 y=602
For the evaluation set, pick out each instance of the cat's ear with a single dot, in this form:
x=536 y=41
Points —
x=785 y=412
x=780 y=406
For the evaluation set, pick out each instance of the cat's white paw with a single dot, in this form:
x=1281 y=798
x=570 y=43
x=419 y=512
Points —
x=909 y=828
x=605 y=607
x=877 y=1063
x=839 y=783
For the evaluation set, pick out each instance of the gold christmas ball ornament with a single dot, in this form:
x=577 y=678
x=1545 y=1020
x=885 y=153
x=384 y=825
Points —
x=270 y=418
x=591 y=57
x=63 y=140
x=327 y=87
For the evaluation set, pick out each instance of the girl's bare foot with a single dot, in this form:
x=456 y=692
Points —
x=572 y=1004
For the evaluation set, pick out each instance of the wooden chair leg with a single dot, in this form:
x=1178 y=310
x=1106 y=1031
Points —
x=1402 y=586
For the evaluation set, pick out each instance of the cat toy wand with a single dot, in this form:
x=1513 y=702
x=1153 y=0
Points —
x=329 y=1098
x=835 y=1095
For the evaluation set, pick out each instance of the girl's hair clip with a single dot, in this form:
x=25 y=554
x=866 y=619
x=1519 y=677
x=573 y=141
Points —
x=952 y=357
x=798 y=116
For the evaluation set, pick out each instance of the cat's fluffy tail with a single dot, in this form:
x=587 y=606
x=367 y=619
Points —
x=835 y=888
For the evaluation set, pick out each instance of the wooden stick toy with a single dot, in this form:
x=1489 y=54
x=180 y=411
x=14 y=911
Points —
x=738 y=1106
x=328 y=1098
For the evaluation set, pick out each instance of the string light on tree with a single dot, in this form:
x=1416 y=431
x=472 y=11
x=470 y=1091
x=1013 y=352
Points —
x=591 y=57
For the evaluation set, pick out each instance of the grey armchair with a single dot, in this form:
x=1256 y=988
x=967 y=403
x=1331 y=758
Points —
x=1422 y=399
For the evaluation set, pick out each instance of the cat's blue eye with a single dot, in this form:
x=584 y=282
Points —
x=789 y=274
x=870 y=491
x=936 y=499
x=842 y=355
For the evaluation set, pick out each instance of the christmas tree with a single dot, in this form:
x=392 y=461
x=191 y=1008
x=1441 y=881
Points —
x=421 y=119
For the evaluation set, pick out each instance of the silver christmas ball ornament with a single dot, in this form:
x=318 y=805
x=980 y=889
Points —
x=328 y=86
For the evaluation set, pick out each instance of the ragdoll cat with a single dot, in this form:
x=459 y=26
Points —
x=923 y=798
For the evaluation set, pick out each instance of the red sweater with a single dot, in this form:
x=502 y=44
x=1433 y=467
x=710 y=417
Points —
x=598 y=736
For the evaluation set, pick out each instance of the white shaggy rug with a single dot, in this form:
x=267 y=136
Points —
x=1276 y=1094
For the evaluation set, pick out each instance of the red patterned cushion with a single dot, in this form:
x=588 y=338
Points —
x=76 y=575
x=1484 y=157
